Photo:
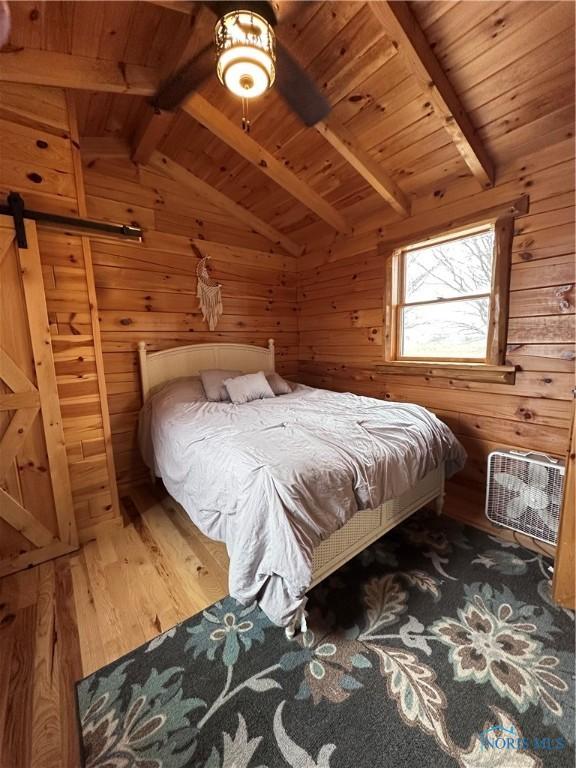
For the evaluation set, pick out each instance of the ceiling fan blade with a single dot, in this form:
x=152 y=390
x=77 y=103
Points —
x=298 y=89
x=187 y=79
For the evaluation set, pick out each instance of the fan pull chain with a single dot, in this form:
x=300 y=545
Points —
x=245 y=118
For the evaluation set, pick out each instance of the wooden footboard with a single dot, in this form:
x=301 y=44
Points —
x=365 y=527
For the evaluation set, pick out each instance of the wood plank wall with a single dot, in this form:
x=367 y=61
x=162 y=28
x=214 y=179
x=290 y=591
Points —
x=38 y=159
x=148 y=291
x=341 y=286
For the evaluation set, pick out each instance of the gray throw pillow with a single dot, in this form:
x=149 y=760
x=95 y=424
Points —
x=277 y=384
x=213 y=383
x=186 y=389
x=252 y=386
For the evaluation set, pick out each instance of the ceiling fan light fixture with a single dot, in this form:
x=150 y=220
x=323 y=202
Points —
x=245 y=48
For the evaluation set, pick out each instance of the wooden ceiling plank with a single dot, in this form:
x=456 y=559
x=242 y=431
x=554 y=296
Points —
x=63 y=70
x=346 y=145
x=211 y=118
x=95 y=147
x=155 y=123
x=181 y=6
x=346 y=79
x=402 y=27
x=163 y=164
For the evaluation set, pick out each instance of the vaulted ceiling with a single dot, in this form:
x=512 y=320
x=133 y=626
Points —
x=392 y=135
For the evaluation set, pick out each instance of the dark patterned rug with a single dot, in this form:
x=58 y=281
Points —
x=437 y=646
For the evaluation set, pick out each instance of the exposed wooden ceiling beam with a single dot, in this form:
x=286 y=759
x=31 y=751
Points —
x=401 y=26
x=163 y=164
x=150 y=131
x=64 y=70
x=153 y=126
x=201 y=110
x=346 y=145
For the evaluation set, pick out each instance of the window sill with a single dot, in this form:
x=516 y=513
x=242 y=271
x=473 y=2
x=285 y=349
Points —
x=492 y=374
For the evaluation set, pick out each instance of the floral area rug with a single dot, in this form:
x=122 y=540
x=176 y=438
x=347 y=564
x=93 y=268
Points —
x=437 y=646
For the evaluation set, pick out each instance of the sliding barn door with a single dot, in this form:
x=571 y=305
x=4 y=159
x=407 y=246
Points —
x=36 y=514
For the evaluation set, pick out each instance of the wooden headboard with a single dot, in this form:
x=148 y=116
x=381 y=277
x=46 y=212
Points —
x=159 y=367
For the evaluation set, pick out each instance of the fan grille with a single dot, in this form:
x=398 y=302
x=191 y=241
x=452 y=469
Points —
x=525 y=494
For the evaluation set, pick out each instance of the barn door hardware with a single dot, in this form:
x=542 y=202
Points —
x=16 y=208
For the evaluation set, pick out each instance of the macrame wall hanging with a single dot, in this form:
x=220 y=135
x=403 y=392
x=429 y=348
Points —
x=209 y=293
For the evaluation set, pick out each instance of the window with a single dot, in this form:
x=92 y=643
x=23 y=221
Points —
x=447 y=299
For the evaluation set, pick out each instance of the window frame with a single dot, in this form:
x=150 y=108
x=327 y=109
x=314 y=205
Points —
x=493 y=366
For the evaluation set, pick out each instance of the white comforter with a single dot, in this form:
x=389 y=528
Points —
x=274 y=477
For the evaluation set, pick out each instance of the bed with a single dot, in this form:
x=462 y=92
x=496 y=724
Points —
x=275 y=427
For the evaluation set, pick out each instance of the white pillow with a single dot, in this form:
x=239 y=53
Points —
x=252 y=386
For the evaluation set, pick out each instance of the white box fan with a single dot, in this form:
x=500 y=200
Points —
x=525 y=493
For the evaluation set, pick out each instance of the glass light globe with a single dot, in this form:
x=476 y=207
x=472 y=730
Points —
x=245 y=48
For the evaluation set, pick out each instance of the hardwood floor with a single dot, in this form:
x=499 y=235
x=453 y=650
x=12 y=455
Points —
x=64 y=619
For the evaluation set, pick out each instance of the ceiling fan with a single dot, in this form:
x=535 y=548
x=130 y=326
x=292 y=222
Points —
x=248 y=59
